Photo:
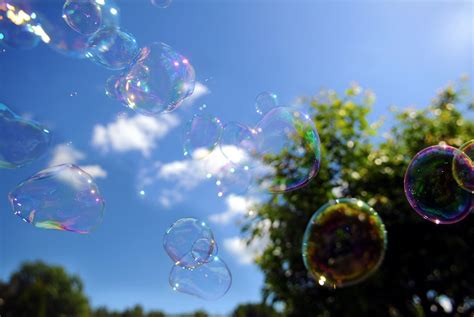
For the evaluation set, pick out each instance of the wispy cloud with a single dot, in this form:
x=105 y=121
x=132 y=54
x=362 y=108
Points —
x=236 y=207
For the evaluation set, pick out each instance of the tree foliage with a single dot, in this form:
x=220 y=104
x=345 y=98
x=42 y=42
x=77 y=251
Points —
x=424 y=262
x=255 y=310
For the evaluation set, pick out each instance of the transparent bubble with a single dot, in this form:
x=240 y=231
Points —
x=265 y=101
x=203 y=133
x=21 y=141
x=237 y=144
x=113 y=48
x=233 y=180
x=162 y=4
x=62 y=197
x=431 y=189
x=463 y=166
x=83 y=16
x=14 y=28
x=288 y=148
x=112 y=87
x=159 y=80
x=344 y=242
x=189 y=242
x=53 y=30
x=209 y=281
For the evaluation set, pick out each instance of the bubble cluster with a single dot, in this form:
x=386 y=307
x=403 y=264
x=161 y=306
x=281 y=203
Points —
x=463 y=166
x=344 y=242
x=197 y=269
x=62 y=197
x=83 y=16
x=265 y=101
x=203 y=132
x=14 y=28
x=21 y=141
x=431 y=188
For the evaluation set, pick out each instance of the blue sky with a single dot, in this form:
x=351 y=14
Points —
x=403 y=50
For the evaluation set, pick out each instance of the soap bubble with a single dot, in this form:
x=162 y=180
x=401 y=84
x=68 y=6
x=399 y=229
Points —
x=14 y=28
x=21 y=141
x=159 y=80
x=237 y=144
x=113 y=87
x=83 y=16
x=463 y=166
x=189 y=242
x=265 y=101
x=288 y=148
x=209 y=281
x=203 y=132
x=113 y=48
x=233 y=180
x=62 y=197
x=162 y=4
x=431 y=189
x=344 y=242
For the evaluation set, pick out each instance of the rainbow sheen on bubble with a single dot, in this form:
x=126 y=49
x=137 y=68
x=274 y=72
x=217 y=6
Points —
x=288 y=149
x=62 y=197
x=209 y=281
x=189 y=242
x=83 y=16
x=344 y=242
x=203 y=133
x=463 y=166
x=265 y=101
x=113 y=48
x=237 y=144
x=14 y=28
x=162 y=4
x=431 y=189
x=158 y=81
x=21 y=141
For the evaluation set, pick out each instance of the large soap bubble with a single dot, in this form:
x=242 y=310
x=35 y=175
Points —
x=463 y=166
x=83 y=16
x=21 y=141
x=15 y=30
x=62 y=197
x=159 y=80
x=344 y=243
x=431 y=188
x=288 y=147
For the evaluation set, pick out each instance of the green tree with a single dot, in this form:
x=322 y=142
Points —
x=40 y=290
x=423 y=261
x=254 y=310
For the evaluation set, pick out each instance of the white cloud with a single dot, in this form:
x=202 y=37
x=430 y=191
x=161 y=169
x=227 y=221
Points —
x=137 y=133
x=67 y=154
x=246 y=253
x=199 y=91
x=237 y=206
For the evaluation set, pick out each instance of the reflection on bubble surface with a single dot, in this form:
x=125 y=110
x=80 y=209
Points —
x=14 y=27
x=463 y=166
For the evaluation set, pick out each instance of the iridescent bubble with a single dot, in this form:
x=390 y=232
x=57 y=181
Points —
x=237 y=144
x=265 y=101
x=83 y=16
x=463 y=166
x=113 y=48
x=14 y=28
x=209 y=281
x=162 y=4
x=62 y=197
x=159 y=80
x=344 y=242
x=431 y=189
x=113 y=87
x=189 y=242
x=21 y=141
x=288 y=148
x=203 y=132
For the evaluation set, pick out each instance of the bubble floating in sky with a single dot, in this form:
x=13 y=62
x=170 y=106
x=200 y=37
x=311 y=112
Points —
x=431 y=189
x=159 y=80
x=14 y=28
x=344 y=242
x=203 y=132
x=265 y=101
x=209 y=281
x=233 y=180
x=189 y=242
x=21 y=141
x=463 y=166
x=83 y=16
x=113 y=48
x=162 y=4
x=291 y=133
x=62 y=197
x=237 y=144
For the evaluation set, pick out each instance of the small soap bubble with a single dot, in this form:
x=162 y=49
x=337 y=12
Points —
x=463 y=166
x=62 y=197
x=21 y=141
x=344 y=242
x=83 y=16
x=265 y=101
x=431 y=188
x=233 y=180
x=113 y=48
x=203 y=134
x=189 y=242
x=237 y=144
x=162 y=4
x=209 y=281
